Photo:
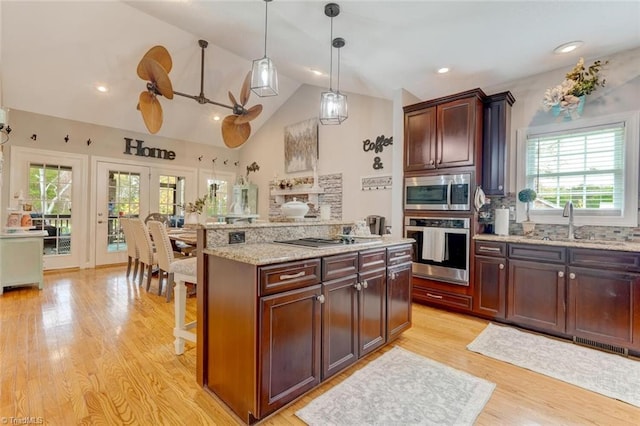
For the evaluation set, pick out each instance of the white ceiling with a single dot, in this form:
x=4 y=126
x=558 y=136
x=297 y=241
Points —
x=52 y=53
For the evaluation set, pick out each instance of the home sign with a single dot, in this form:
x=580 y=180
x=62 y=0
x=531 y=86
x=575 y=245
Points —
x=139 y=150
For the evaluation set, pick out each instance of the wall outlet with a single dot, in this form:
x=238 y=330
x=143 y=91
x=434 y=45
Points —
x=512 y=213
x=346 y=230
x=236 y=237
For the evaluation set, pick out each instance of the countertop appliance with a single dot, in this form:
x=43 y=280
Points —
x=376 y=224
x=441 y=250
x=438 y=192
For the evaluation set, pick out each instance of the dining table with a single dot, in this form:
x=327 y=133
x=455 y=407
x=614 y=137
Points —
x=183 y=240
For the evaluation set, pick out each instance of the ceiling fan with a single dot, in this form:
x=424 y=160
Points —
x=154 y=67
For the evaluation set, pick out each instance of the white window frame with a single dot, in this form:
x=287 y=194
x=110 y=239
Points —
x=629 y=215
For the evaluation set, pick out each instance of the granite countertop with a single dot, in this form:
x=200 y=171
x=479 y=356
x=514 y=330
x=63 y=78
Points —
x=580 y=243
x=267 y=224
x=269 y=253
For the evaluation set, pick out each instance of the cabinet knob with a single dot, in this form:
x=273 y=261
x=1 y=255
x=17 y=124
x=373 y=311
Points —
x=440 y=161
x=358 y=286
x=432 y=162
x=560 y=274
x=501 y=266
x=365 y=284
x=572 y=276
x=320 y=298
x=500 y=187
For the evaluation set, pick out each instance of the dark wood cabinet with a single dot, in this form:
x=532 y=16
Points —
x=398 y=299
x=604 y=306
x=420 y=140
x=444 y=132
x=354 y=310
x=604 y=297
x=490 y=296
x=372 y=315
x=536 y=293
x=289 y=356
x=496 y=131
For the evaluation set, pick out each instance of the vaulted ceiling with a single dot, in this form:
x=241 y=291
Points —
x=53 y=53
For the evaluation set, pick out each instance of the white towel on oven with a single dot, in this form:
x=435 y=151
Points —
x=433 y=244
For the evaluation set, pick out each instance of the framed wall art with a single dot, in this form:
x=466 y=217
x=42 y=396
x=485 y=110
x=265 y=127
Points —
x=301 y=146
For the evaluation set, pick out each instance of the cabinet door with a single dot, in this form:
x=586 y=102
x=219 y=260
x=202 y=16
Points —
x=456 y=138
x=289 y=350
x=420 y=139
x=496 y=131
x=398 y=300
x=536 y=294
x=372 y=311
x=339 y=325
x=490 y=286
x=604 y=306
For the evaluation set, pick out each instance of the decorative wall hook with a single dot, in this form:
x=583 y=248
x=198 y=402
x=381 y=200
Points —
x=89 y=142
x=236 y=163
x=66 y=139
x=200 y=158
x=34 y=137
x=225 y=162
x=214 y=160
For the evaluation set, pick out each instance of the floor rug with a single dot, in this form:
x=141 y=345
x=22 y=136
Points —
x=401 y=388
x=608 y=374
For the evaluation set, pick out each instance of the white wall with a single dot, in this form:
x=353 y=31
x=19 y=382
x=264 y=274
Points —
x=340 y=150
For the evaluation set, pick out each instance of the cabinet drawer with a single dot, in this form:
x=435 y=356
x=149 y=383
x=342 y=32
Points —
x=372 y=259
x=605 y=259
x=339 y=266
x=455 y=300
x=288 y=276
x=491 y=248
x=399 y=254
x=537 y=252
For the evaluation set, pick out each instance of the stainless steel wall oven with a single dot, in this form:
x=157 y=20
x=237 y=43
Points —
x=441 y=250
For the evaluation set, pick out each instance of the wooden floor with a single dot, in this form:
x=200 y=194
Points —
x=94 y=348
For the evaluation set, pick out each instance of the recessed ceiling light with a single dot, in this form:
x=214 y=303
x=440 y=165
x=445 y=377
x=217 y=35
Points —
x=216 y=118
x=315 y=71
x=443 y=70
x=101 y=88
x=568 y=47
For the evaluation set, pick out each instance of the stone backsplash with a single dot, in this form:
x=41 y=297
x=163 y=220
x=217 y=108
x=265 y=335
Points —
x=615 y=233
x=332 y=186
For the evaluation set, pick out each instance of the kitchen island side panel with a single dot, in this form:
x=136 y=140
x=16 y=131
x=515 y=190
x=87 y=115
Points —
x=231 y=334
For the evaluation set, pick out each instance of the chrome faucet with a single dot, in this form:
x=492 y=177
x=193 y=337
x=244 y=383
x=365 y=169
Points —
x=568 y=212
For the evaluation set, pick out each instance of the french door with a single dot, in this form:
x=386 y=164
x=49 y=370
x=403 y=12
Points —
x=122 y=190
x=51 y=185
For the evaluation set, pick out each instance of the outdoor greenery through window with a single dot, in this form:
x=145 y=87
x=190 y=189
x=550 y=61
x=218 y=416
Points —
x=50 y=199
x=171 y=194
x=585 y=166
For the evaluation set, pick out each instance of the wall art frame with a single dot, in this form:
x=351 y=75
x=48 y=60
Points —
x=301 y=146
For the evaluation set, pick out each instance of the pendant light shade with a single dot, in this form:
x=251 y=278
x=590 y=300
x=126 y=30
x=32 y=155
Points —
x=264 y=76
x=333 y=104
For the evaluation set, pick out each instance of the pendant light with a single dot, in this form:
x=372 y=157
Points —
x=264 y=77
x=333 y=104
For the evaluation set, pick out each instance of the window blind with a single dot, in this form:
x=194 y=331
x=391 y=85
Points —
x=584 y=165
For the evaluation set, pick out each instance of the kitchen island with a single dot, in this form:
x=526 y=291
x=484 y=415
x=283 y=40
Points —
x=276 y=320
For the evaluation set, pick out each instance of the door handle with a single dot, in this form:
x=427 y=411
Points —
x=100 y=221
x=320 y=298
x=357 y=286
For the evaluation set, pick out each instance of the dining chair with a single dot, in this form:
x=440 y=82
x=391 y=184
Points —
x=147 y=256
x=133 y=256
x=181 y=271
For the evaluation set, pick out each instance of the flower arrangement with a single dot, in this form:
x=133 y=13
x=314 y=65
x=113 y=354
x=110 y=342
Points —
x=527 y=195
x=197 y=206
x=577 y=83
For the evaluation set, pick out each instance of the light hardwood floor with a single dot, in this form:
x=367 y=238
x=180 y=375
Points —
x=93 y=348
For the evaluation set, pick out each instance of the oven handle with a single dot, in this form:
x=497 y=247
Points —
x=449 y=230
x=449 y=195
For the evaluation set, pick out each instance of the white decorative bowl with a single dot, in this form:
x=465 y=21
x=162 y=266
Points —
x=295 y=209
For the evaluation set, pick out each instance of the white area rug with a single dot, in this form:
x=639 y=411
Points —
x=608 y=374
x=401 y=388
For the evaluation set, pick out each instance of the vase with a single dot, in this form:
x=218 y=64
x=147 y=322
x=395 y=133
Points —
x=528 y=227
x=569 y=112
x=191 y=218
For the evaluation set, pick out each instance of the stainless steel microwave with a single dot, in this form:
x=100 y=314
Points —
x=438 y=192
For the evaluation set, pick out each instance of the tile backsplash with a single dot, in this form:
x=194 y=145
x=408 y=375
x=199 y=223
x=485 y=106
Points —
x=615 y=233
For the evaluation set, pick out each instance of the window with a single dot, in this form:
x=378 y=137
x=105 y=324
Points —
x=171 y=194
x=593 y=165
